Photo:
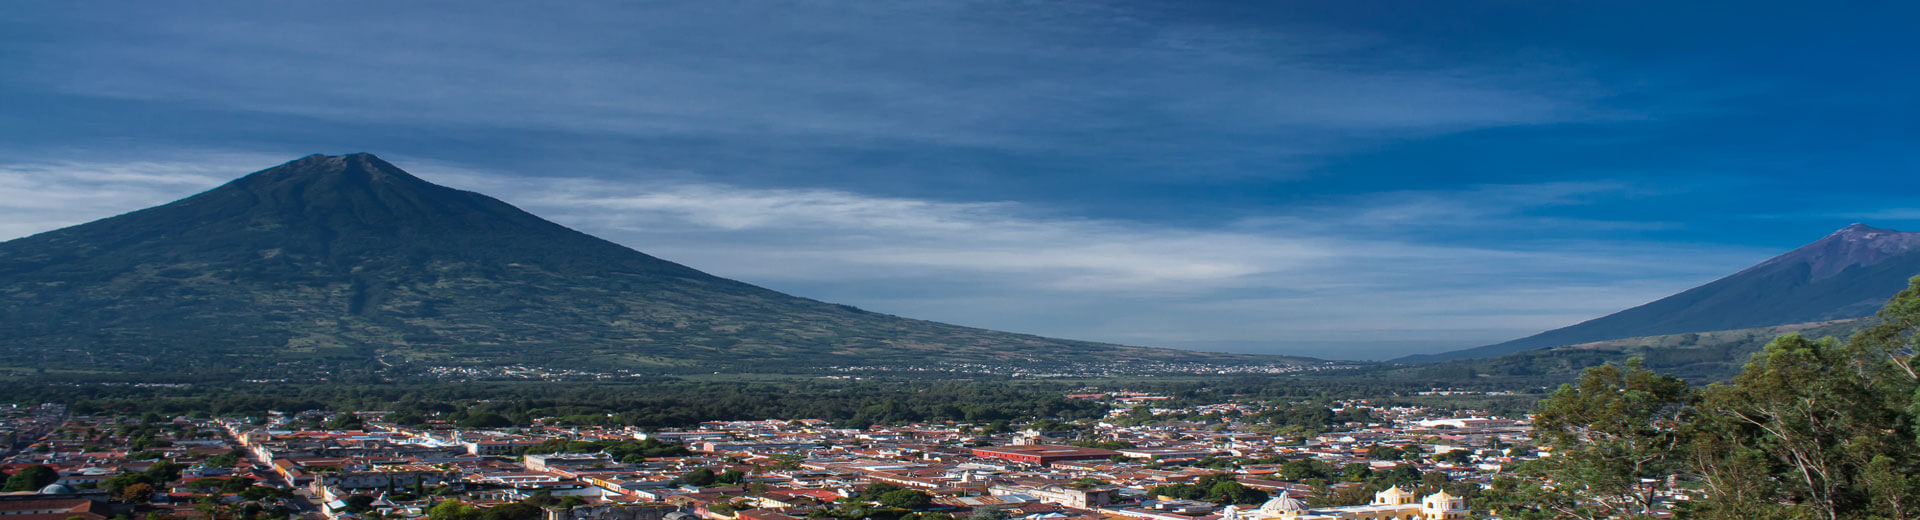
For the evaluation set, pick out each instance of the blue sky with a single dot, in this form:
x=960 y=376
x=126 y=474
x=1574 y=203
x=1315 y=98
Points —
x=1338 y=179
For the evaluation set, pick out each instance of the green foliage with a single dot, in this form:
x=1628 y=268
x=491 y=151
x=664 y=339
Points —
x=236 y=484
x=1610 y=432
x=31 y=478
x=873 y=492
x=1355 y=472
x=1219 y=488
x=344 y=421
x=138 y=493
x=1086 y=483
x=1454 y=456
x=486 y=420
x=157 y=475
x=873 y=502
x=359 y=503
x=1231 y=492
x=224 y=460
x=726 y=507
x=906 y=499
x=782 y=461
x=411 y=418
x=1404 y=475
x=1355 y=414
x=1220 y=463
x=1305 y=419
x=1840 y=428
x=1382 y=452
x=453 y=510
x=655 y=404
x=1808 y=429
x=257 y=493
x=1298 y=470
x=205 y=484
x=702 y=477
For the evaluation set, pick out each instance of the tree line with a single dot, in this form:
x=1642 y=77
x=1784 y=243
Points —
x=658 y=405
x=1809 y=429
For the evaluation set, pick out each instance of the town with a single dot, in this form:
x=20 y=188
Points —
x=1221 y=461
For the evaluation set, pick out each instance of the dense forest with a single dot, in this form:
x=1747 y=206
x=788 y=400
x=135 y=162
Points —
x=678 y=403
x=644 y=405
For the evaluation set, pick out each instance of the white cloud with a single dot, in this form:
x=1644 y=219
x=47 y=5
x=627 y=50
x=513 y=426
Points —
x=1009 y=265
x=1322 y=272
x=40 y=196
x=858 y=236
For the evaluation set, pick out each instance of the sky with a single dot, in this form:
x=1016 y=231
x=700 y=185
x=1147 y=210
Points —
x=1345 y=180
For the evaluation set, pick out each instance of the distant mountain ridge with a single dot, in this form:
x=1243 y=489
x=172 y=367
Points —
x=1849 y=273
x=336 y=262
x=1856 y=245
x=1698 y=357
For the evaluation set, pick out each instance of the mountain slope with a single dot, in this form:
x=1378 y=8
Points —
x=1700 y=357
x=1847 y=274
x=333 y=262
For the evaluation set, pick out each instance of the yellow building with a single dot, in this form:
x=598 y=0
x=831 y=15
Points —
x=1392 y=504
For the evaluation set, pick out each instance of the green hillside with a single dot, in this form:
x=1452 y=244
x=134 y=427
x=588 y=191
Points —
x=343 y=262
x=1702 y=357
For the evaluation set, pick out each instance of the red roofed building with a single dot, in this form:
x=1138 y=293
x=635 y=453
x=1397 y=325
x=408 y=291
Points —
x=1042 y=454
x=54 y=509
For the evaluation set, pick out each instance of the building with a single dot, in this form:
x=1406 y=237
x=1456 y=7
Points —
x=620 y=512
x=1088 y=498
x=557 y=461
x=54 y=509
x=417 y=476
x=1469 y=422
x=1042 y=454
x=1167 y=453
x=58 y=502
x=1391 y=504
x=684 y=437
x=485 y=445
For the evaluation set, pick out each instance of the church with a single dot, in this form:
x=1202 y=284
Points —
x=1391 y=504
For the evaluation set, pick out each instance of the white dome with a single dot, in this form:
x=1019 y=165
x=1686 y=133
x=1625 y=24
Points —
x=56 y=489
x=1282 y=504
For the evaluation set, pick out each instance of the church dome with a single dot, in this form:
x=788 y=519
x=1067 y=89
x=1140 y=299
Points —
x=1282 y=504
x=56 y=489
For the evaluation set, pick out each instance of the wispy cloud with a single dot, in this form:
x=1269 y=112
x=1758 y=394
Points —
x=1012 y=265
x=1483 y=207
x=41 y=196
x=1068 y=78
x=852 y=236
